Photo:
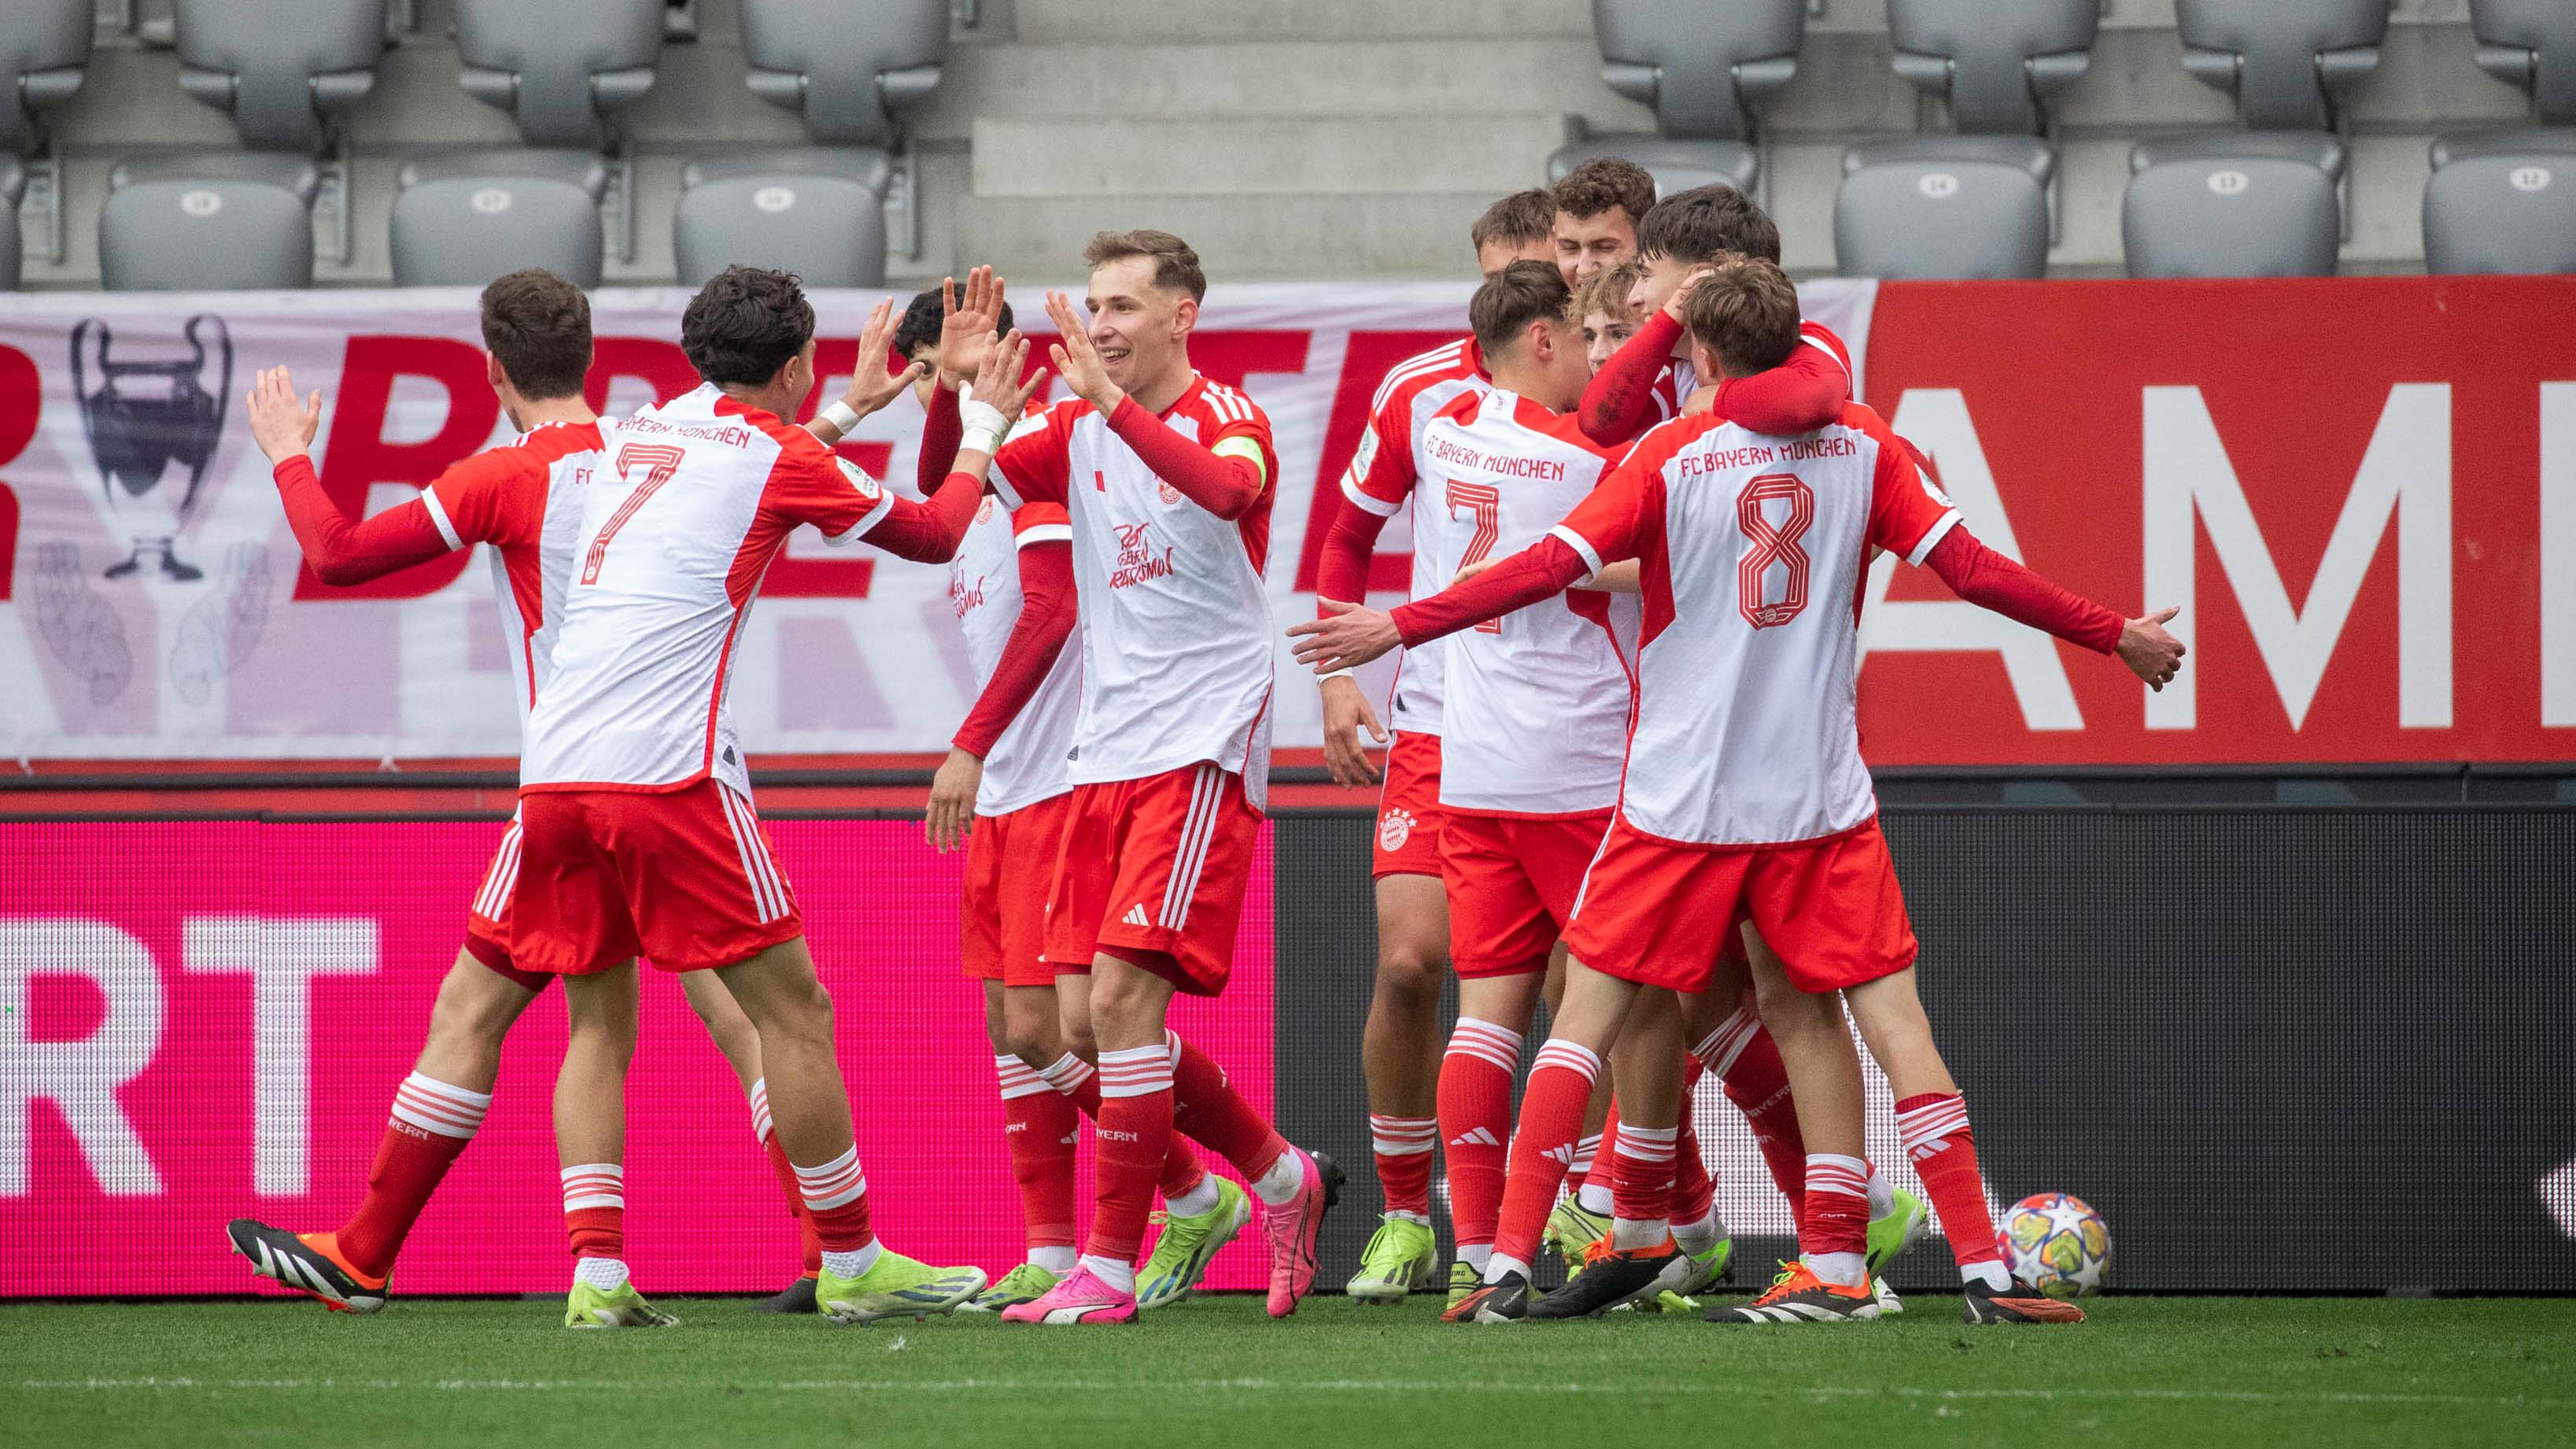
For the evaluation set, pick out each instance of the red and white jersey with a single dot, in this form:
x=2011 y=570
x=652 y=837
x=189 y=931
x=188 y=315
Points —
x=1753 y=553
x=1537 y=720
x=676 y=533
x=1680 y=378
x=1026 y=764
x=1176 y=631
x=526 y=501
x=1381 y=479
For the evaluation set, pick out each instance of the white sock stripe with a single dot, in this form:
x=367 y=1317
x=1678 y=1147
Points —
x=1573 y=1056
x=427 y=1086
x=1929 y=1126
x=594 y=1185
x=1585 y=1149
x=1402 y=1136
x=1483 y=1051
x=1066 y=1073
x=1648 y=1144
x=1207 y=788
x=435 y=1107
x=1018 y=1079
x=834 y=1184
x=1718 y=1050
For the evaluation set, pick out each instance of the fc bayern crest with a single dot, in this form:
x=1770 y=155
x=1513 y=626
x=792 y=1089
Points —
x=1395 y=828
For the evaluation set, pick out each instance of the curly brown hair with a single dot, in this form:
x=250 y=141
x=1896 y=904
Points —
x=1602 y=183
x=744 y=325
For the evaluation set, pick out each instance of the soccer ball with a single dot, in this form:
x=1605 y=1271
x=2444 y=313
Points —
x=2056 y=1243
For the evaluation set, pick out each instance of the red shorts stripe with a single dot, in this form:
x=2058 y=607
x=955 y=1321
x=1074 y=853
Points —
x=1155 y=870
x=683 y=878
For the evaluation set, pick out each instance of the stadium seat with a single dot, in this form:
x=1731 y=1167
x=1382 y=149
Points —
x=558 y=69
x=1704 y=69
x=818 y=212
x=44 y=48
x=821 y=210
x=463 y=218
x=1944 y=208
x=280 y=68
x=2505 y=201
x=1977 y=204
x=2265 y=201
x=208 y=221
x=13 y=184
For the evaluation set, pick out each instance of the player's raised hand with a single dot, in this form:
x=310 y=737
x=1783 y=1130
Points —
x=1346 y=713
x=1349 y=638
x=1681 y=295
x=1076 y=360
x=951 y=813
x=967 y=327
x=871 y=386
x=998 y=381
x=2152 y=654
x=278 y=424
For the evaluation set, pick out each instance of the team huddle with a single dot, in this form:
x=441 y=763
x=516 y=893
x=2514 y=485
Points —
x=1624 y=773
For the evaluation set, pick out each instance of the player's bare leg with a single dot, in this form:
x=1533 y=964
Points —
x=435 y=1114
x=590 y=1143
x=1594 y=1010
x=809 y=1105
x=1400 y=1053
x=739 y=1041
x=1640 y=1257
x=1932 y=1123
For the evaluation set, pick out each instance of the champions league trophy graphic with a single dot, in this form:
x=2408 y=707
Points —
x=143 y=417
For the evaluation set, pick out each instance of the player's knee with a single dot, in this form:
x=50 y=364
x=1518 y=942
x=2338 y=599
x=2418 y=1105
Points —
x=478 y=1015
x=1409 y=975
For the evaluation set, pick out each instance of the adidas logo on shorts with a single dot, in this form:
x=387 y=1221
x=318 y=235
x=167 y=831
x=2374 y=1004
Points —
x=1135 y=916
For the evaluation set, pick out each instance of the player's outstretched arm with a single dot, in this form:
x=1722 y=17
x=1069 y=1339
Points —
x=1799 y=396
x=1989 y=580
x=340 y=550
x=1619 y=402
x=871 y=386
x=1351 y=635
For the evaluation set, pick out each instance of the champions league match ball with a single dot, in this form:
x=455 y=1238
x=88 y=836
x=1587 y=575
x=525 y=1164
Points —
x=2056 y=1243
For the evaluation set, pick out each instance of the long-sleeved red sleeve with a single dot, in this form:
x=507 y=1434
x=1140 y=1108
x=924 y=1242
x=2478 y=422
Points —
x=1037 y=637
x=1799 y=396
x=1989 y=580
x=1619 y=402
x=1546 y=567
x=1342 y=571
x=940 y=434
x=342 y=553
x=929 y=532
x=1222 y=486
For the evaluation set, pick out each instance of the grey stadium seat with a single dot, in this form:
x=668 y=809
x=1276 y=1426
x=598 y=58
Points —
x=557 y=68
x=2505 y=201
x=279 y=68
x=13 y=184
x=1704 y=69
x=44 y=48
x=1977 y=204
x=463 y=218
x=847 y=70
x=818 y=212
x=2267 y=201
x=209 y=221
x=1929 y=212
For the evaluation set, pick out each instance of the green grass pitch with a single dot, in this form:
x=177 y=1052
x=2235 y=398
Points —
x=2194 y=1372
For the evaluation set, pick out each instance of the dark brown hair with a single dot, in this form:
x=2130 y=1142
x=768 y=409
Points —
x=1176 y=267
x=744 y=325
x=538 y=327
x=1516 y=220
x=1513 y=298
x=1745 y=311
x=1602 y=183
x=1704 y=223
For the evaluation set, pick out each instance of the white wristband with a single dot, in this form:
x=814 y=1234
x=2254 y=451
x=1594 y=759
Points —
x=841 y=416
x=982 y=425
x=1344 y=672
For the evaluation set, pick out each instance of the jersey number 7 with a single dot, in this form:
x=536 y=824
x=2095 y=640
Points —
x=660 y=460
x=1484 y=503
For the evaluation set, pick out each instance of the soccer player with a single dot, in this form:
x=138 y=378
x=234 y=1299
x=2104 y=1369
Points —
x=520 y=498
x=1003 y=793
x=637 y=832
x=1746 y=796
x=1651 y=377
x=1167 y=479
x=1607 y=317
x=1400 y=1050
x=1599 y=207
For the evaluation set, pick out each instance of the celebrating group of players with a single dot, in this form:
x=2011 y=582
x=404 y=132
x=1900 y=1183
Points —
x=1651 y=785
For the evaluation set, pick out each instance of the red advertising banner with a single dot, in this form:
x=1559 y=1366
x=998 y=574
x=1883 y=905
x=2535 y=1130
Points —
x=2360 y=491
x=202 y=1020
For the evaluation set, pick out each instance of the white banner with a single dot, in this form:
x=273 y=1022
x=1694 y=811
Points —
x=153 y=604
